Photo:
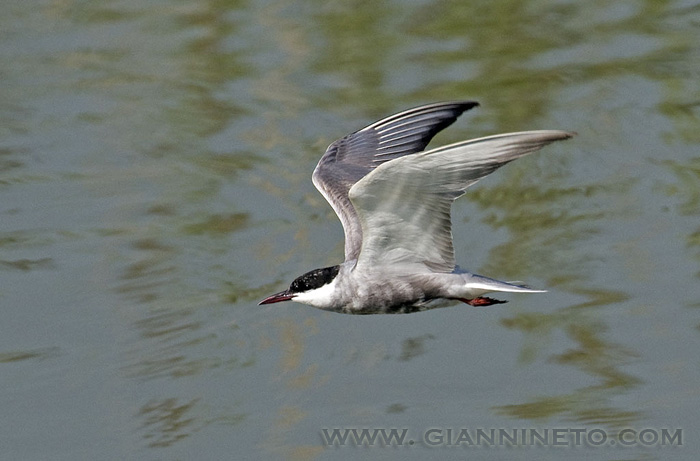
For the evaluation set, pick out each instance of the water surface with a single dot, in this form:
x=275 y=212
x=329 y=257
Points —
x=155 y=162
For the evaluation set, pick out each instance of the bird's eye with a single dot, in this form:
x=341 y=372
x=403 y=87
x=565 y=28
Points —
x=313 y=279
x=299 y=285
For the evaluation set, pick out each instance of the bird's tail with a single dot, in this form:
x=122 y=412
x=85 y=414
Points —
x=486 y=284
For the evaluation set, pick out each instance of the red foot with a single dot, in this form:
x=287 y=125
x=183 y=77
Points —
x=481 y=301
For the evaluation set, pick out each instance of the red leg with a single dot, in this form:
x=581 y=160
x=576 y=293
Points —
x=481 y=301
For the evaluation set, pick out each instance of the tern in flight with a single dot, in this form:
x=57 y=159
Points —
x=394 y=199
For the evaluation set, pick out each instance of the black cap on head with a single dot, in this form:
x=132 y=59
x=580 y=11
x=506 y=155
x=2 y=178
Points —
x=314 y=279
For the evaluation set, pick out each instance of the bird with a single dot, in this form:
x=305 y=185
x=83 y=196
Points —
x=394 y=201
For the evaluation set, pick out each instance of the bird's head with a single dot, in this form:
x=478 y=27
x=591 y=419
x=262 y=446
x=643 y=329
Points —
x=314 y=288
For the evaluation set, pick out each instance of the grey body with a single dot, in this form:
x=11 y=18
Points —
x=394 y=199
x=386 y=292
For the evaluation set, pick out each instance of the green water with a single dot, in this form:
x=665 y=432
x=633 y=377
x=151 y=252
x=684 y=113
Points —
x=155 y=163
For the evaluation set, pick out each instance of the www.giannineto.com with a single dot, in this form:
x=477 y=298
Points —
x=493 y=437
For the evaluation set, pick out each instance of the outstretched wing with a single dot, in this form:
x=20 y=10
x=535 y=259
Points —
x=351 y=158
x=404 y=205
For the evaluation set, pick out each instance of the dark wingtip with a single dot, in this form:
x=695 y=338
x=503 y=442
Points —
x=465 y=106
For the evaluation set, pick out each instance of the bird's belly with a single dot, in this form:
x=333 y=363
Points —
x=396 y=295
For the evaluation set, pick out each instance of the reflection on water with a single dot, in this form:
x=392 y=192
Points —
x=291 y=337
x=687 y=190
x=593 y=355
x=277 y=439
x=414 y=347
x=544 y=224
x=155 y=170
x=36 y=354
x=29 y=264
x=166 y=421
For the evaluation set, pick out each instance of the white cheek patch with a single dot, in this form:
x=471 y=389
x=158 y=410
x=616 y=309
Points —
x=318 y=297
